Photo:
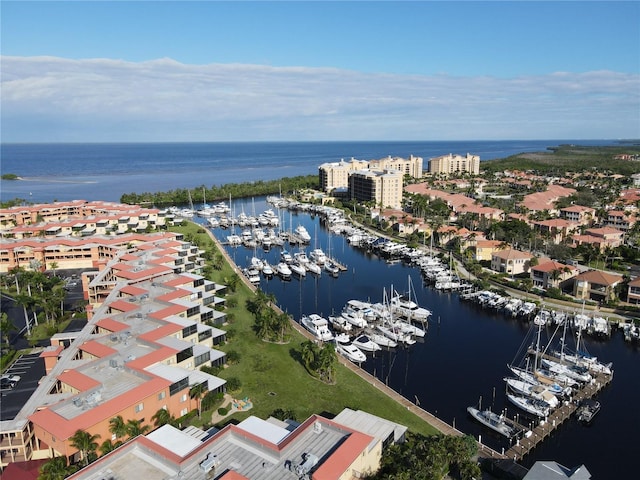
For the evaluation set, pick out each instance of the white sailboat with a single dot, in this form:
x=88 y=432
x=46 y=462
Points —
x=403 y=305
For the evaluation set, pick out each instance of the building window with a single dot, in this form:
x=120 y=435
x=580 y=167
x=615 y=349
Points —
x=139 y=407
x=161 y=395
x=183 y=398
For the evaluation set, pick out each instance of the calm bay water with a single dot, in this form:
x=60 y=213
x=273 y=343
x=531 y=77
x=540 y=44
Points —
x=465 y=352
x=106 y=171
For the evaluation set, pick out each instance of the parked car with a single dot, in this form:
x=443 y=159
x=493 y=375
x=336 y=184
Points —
x=9 y=381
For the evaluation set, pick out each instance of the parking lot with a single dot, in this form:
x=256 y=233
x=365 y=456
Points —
x=30 y=369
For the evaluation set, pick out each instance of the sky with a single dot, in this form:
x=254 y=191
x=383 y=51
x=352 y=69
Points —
x=118 y=71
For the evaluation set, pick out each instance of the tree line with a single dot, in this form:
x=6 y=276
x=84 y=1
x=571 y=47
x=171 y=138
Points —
x=215 y=193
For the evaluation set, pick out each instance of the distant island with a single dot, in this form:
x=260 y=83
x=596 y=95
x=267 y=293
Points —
x=10 y=176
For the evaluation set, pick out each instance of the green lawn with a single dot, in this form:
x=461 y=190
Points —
x=273 y=378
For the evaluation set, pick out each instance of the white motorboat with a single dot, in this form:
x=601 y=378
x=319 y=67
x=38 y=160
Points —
x=354 y=319
x=267 y=270
x=302 y=233
x=529 y=405
x=313 y=268
x=340 y=323
x=362 y=309
x=286 y=257
x=252 y=274
x=318 y=326
x=588 y=409
x=351 y=352
x=283 y=270
x=499 y=423
x=342 y=338
x=301 y=258
x=331 y=268
x=363 y=342
x=318 y=256
x=382 y=340
x=256 y=263
x=298 y=269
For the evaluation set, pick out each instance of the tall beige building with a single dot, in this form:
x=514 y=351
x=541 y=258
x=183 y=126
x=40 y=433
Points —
x=448 y=164
x=334 y=175
x=383 y=187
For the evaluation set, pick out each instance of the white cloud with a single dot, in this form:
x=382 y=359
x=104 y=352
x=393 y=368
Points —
x=164 y=100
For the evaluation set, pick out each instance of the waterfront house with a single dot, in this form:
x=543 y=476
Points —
x=633 y=292
x=512 y=262
x=552 y=274
x=596 y=285
x=482 y=250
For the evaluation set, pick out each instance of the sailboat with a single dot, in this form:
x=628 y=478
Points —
x=404 y=306
x=329 y=265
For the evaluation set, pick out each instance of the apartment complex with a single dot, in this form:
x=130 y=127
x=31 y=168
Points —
x=335 y=175
x=383 y=187
x=76 y=234
x=109 y=215
x=348 y=446
x=152 y=325
x=449 y=164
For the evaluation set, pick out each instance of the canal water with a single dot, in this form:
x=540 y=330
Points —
x=464 y=356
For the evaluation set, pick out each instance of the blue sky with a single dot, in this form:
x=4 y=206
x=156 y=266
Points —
x=181 y=71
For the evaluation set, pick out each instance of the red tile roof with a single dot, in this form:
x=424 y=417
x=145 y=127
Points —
x=600 y=278
x=78 y=380
x=111 y=325
x=98 y=349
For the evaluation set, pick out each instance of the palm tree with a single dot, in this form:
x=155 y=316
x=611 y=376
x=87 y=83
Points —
x=327 y=362
x=163 y=417
x=196 y=392
x=308 y=354
x=6 y=327
x=118 y=427
x=53 y=266
x=55 y=469
x=25 y=301
x=86 y=443
x=135 y=428
x=108 y=446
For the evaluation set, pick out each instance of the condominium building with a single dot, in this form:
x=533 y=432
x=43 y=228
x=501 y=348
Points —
x=346 y=447
x=384 y=188
x=152 y=325
x=449 y=164
x=75 y=252
x=334 y=175
x=60 y=212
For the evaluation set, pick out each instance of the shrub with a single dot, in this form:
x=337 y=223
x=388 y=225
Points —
x=234 y=384
x=223 y=411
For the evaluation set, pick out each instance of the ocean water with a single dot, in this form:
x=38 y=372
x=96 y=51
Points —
x=95 y=171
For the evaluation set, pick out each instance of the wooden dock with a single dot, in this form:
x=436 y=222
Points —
x=545 y=428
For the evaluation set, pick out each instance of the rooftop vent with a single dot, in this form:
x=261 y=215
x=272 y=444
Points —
x=209 y=463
